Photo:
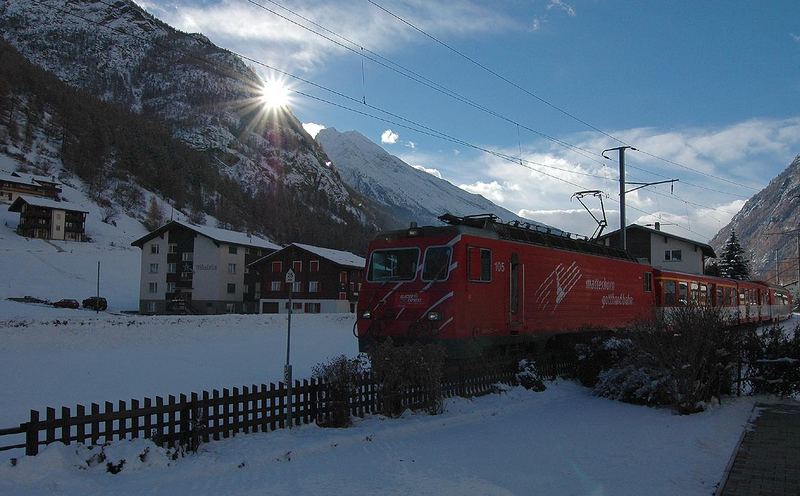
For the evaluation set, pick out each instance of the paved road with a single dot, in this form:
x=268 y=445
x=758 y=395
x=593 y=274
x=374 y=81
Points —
x=768 y=460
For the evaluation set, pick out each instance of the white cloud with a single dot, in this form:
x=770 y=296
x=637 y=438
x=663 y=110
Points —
x=389 y=137
x=559 y=4
x=312 y=128
x=747 y=153
x=536 y=25
x=266 y=36
x=432 y=172
x=411 y=144
x=795 y=37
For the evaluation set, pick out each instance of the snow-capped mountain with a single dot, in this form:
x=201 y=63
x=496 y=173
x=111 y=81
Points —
x=773 y=210
x=206 y=96
x=408 y=193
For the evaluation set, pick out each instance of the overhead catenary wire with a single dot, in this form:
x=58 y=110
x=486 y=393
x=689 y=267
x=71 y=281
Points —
x=439 y=87
x=545 y=101
x=410 y=124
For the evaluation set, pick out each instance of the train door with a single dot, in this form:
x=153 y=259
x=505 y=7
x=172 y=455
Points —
x=516 y=290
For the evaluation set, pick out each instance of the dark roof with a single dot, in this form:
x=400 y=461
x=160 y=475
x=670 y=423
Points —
x=338 y=257
x=533 y=234
x=214 y=233
x=707 y=249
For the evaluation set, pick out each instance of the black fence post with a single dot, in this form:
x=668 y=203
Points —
x=32 y=435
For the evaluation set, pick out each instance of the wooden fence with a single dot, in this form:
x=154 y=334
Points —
x=187 y=420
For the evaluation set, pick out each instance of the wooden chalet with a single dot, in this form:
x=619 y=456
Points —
x=49 y=219
x=326 y=280
x=14 y=184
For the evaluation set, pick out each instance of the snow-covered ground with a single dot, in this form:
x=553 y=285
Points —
x=65 y=357
x=563 y=441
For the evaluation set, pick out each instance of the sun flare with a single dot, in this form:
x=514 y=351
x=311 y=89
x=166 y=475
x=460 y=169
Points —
x=274 y=95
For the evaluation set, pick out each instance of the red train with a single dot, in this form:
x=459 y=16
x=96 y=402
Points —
x=480 y=283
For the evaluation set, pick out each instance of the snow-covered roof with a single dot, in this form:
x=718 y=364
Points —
x=336 y=256
x=37 y=201
x=215 y=233
x=22 y=178
x=227 y=236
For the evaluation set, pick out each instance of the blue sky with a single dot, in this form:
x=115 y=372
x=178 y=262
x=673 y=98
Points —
x=713 y=86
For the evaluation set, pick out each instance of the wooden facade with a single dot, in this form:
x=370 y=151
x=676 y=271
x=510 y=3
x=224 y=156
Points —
x=48 y=219
x=15 y=184
x=326 y=281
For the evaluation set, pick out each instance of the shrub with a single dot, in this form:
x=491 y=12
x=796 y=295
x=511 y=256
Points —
x=684 y=359
x=339 y=376
x=410 y=368
x=601 y=353
x=529 y=376
x=772 y=358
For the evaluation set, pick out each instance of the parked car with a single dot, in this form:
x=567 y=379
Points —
x=67 y=303
x=95 y=303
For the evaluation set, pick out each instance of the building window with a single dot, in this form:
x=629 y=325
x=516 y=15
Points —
x=297 y=266
x=232 y=250
x=153 y=287
x=154 y=249
x=185 y=276
x=58 y=228
x=312 y=307
x=313 y=286
x=343 y=277
x=313 y=266
x=154 y=268
x=276 y=286
x=672 y=255
x=231 y=288
x=342 y=296
x=246 y=288
x=246 y=250
x=277 y=267
x=297 y=286
x=172 y=268
x=231 y=268
x=172 y=248
x=297 y=305
x=151 y=307
x=187 y=256
x=230 y=308
x=170 y=287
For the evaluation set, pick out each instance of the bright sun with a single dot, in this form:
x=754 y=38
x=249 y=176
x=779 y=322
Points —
x=274 y=95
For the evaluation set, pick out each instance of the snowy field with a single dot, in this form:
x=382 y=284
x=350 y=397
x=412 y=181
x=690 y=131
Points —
x=65 y=357
x=563 y=441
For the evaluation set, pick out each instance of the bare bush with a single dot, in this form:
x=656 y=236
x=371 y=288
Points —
x=412 y=367
x=340 y=376
x=772 y=360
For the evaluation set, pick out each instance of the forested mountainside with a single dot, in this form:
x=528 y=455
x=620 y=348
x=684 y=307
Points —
x=773 y=210
x=139 y=103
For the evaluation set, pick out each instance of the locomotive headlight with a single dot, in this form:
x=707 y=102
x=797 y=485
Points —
x=413 y=232
x=434 y=316
x=366 y=314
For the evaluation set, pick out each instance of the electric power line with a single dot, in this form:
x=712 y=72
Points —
x=543 y=100
x=433 y=133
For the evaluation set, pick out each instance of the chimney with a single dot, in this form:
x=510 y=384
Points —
x=658 y=226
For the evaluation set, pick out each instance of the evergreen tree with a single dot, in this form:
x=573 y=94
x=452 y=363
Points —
x=155 y=216
x=733 y=262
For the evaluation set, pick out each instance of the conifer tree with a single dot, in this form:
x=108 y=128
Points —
x=155 y=216
x=733 y=262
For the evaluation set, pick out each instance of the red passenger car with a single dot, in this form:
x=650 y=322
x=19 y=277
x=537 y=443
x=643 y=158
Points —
x=478 y=282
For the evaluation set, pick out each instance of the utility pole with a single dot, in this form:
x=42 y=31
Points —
x=287 y=369
x=622 y=192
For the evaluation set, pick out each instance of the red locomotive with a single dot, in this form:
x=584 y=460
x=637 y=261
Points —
x=479 y=282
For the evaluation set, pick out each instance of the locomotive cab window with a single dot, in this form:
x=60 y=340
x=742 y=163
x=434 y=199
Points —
x=648 y=282
x=480 y=264
x=436 y=266
x=393 y=265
